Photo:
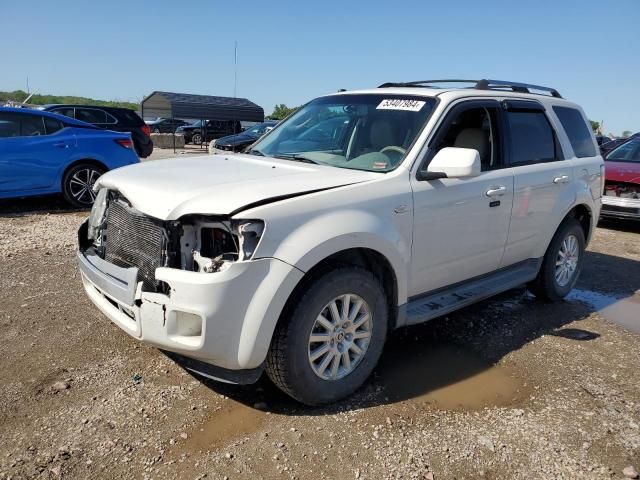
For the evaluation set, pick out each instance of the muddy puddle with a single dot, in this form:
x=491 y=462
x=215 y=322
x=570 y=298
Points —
x=232 y=421
x=621 y=311
x=447 y=377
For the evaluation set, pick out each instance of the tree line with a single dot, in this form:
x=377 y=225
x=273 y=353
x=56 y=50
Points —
x=38 y=99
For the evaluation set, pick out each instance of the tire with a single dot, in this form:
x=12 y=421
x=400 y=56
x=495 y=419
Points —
x=77 y=184
x=289 y=361
x=547 y=285
x=155 y=130
x=196 y=139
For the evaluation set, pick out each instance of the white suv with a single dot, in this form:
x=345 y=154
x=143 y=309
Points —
x=363 y=212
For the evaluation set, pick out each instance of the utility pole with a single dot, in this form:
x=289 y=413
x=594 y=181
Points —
x=235 y=69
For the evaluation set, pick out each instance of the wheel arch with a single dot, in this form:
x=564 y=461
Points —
x=584 y=215
x=363 y=257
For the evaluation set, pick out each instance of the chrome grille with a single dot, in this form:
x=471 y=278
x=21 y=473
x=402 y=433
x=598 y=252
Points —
x=132 y=239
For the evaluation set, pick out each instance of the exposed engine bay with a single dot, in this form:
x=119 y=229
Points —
x=121 y=235
x=622 y=190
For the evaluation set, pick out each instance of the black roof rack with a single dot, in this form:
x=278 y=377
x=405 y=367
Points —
x=480 y=85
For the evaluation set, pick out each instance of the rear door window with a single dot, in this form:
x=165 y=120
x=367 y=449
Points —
x=579 y=135
x=32 y=126
x=531 y=138
x=91 y=115
x=9 y=125
x=66 y=111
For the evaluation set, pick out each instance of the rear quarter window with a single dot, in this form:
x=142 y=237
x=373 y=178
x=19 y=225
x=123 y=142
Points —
x=577 y=130
x=128 y=117
x=52 y=126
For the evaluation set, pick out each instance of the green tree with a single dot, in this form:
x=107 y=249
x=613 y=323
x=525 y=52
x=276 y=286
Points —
x=595 y=126
x=282 y=111
x=626 y=134
x=44 y=99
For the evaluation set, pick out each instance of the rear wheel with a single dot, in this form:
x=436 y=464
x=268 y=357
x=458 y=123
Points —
x=561 y=264
x=78 y=182
x=333 y=338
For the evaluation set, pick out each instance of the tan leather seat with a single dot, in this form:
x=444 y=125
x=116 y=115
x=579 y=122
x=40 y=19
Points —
x=474 y=138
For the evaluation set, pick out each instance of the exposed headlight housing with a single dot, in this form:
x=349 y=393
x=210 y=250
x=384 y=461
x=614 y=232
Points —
x=210 y=245
x=97 y=215
x=249 y=232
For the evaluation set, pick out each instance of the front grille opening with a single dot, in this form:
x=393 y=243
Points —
x=134 y=240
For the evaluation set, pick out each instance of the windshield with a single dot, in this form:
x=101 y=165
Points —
x=359 y=131
x=627 y=152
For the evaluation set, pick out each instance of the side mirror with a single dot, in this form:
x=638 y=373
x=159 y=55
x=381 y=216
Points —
x=453 y=162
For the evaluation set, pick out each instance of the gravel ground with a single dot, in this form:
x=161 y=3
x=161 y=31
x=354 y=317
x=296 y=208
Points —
x=162 y=153
x=510 y=388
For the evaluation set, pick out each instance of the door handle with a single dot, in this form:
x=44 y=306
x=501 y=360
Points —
x=61 y=145
x=496 y=191
x=561 y=179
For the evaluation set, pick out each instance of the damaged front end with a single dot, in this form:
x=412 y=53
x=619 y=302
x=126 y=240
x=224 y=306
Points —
x=190 y=286
x=621 y=200
x=121 y=235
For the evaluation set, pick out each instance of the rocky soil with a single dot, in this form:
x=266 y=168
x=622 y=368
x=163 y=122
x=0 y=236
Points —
x=508 y=389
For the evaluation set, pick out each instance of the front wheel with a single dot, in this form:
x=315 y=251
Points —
x=333 y=339
x=561 y=264
x=78 y=182
x=196 y=139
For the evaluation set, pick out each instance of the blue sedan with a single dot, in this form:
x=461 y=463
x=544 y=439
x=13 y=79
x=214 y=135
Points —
x=44 y=153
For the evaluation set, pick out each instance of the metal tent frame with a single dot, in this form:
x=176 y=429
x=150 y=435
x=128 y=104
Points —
x=203 y=107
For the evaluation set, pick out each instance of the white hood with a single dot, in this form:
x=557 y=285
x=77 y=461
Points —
x=220 y=184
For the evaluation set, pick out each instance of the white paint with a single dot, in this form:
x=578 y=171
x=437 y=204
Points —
x=448 y=232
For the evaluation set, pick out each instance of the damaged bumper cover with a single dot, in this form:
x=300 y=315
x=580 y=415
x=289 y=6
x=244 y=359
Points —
x=620 y=207
x=225 y=319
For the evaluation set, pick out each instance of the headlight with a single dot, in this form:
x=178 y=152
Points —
x=96 y=217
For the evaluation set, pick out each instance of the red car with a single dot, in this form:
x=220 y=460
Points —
x=622 y=181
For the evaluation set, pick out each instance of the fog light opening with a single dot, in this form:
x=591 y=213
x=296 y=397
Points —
x=184 y=324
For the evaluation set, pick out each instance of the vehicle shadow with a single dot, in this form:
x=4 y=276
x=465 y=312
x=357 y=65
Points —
x=53 y=204
x=621 y=225
x=427 y=358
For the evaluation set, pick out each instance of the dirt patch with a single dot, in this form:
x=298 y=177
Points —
x=511 y=388
x=228 y=423
x=448 y=378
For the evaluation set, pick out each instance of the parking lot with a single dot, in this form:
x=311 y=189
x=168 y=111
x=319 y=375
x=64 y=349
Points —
x=509 y=388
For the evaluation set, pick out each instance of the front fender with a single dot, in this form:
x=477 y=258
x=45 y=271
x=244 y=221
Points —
x=322 y=236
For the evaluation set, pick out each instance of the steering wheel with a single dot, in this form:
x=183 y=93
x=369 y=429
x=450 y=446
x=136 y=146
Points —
x=394 y=148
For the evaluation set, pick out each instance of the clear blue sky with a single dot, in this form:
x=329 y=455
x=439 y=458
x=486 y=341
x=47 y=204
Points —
x=290 y=52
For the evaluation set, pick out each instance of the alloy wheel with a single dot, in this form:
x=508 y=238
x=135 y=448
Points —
x=340 y=337
x=567 y=260
x=81 y=185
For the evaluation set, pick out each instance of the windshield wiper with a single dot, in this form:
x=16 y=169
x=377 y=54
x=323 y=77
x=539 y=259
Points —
x=256 y=152
x=297 y=158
